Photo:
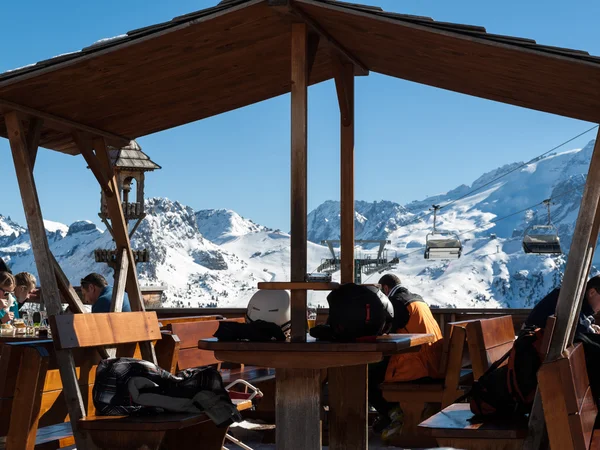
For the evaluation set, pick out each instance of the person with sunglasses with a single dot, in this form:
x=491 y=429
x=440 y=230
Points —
x=8 y=304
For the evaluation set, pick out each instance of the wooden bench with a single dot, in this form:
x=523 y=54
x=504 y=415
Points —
x=189 y=333
x=489 y=340
x=165 y=431
x=456 y=426
x=184 y=319
x=33 y=408
x=570 y=409
x=413 y=396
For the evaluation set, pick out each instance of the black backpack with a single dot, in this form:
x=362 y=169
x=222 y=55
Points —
x=510 y=389
x=356 y=312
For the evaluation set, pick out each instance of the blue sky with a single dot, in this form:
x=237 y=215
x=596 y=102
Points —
x=411 y=140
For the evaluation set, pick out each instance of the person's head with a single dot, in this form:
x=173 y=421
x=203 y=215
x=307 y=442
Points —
x=592 y=293
x=92 y=286
x=388 y=282
x=26 y=284
x=7 y=284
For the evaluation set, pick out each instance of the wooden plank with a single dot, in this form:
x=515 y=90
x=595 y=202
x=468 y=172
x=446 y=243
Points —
x=121 y=237
x=579 y=261
x=300 y=285
x=299 y=166
x=297 y=397
x=455 y=363
x=348 y=408
x=359 y=68
x=27 y=400
x=190 y=333
x=167 y=352
x=67 y=291
x=52 y=120
x=90 y=330
x=85 y=146
x=116 y=304
x=34 y=132
x=344 y=83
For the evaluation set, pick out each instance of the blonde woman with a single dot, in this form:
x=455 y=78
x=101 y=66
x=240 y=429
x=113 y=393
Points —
x=8 y=304
x=26 y=288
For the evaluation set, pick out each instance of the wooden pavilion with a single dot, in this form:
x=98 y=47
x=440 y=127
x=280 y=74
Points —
x=245 y=51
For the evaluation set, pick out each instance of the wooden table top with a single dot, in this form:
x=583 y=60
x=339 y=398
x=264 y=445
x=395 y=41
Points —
x=22 y=338
x=388 y=345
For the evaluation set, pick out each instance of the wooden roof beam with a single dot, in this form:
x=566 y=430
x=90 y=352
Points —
x=85 y=146
x=291 y=8
x=62 y=124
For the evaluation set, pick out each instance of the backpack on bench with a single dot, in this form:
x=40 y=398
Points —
x=510 y=389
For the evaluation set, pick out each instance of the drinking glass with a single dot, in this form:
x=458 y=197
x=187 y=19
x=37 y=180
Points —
x=311 y=317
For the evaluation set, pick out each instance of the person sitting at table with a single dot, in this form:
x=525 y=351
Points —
x=9 y=309
x=98 y=293
x=26 y=288
x=411 y=315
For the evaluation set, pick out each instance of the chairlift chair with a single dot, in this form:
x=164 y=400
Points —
x=442 y=244
x=542 y=239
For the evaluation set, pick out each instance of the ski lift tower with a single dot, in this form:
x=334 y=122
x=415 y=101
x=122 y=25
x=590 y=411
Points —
x=360 y=263
x=130 y=165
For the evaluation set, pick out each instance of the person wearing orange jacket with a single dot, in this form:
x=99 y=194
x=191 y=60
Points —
x=411 y=315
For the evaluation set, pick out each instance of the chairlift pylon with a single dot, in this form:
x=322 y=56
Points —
x=441 y=244
x=542 y=239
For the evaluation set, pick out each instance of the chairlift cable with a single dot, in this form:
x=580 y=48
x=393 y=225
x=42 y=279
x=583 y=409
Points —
x=519 y=167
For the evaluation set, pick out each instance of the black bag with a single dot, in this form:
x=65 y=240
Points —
x=356 y=312
x=129 y=386
x=510 y=389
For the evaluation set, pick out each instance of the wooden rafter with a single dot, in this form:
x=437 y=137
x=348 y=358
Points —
x=45 y=266
x=63 y=124
x=84 y=143
x=292 y=8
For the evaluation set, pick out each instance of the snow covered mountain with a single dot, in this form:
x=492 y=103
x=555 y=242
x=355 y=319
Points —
x=216 y=257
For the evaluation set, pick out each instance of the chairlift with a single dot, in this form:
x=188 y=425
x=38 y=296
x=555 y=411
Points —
x=442 y=244
x=542 y=239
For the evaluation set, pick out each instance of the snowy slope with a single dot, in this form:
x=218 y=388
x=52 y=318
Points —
x=216 y=257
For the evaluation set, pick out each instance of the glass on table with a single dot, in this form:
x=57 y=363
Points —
x=311 y=317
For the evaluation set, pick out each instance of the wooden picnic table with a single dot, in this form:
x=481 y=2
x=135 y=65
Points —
x=298 y=393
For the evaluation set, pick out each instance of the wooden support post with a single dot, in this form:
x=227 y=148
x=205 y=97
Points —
x=572 y=290
x=299 y=117
x=84 y=143
x=45 y=268
x=116 y=304
x=348 y=408
x=34 y=132
x=578 y=266
x=298 y=421
x=121 y=236
x=344 y=83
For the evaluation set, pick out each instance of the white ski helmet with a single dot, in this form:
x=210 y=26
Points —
x=270 y=306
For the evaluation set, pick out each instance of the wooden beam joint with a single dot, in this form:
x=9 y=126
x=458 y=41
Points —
x=84 y=143
x=289 y=7
x=344 y=79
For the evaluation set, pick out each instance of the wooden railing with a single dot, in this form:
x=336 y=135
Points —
x=442 y=315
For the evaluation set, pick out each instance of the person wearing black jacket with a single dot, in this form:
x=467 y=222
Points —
x=546 y=307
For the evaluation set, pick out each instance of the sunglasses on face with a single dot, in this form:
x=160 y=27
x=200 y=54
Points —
x=5 y=293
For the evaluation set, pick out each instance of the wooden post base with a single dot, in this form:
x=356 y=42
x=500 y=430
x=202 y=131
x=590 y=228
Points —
x=298 y=395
